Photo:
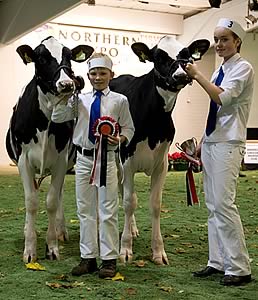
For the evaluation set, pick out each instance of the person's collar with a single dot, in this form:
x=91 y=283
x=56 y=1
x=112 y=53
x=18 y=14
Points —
x=231 y=60
x=105 y=91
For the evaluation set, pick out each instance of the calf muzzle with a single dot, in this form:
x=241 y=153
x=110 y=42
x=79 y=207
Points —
x=79 y=83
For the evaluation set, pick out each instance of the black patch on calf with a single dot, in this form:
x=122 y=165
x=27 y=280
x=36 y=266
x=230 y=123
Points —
x=13 y=149
x=63 y=133
x=45 y=66
x=27 y=117
x=165 y=67
x=147 y=110
x=184 y=54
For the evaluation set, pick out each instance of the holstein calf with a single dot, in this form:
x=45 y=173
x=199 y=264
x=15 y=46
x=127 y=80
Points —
x=40 y=147
x=152 y=98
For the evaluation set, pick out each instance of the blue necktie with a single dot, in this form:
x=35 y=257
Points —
x=211 y=121
x=94 y=114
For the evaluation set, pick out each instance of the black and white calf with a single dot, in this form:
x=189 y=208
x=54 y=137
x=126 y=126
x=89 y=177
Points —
x=152 y=98
x=40 y=147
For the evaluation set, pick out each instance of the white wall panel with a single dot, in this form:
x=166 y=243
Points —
x=123 y=19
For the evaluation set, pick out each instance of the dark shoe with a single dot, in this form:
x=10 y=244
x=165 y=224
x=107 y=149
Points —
x=235 y=280
x=107 y=268
x=86 y=265
x=241 y=174
x=208 y=271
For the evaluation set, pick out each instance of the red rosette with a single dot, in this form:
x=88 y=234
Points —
x=105 y=126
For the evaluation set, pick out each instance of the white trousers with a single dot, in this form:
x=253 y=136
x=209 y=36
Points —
x=227 y=248
x=97 y=210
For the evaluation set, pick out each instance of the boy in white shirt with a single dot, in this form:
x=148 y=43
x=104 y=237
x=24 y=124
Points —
x=97 y=206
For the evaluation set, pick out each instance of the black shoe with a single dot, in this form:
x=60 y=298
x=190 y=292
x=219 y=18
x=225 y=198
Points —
x=235 y=280
x=107 y=268
x=241 y=174
x=86 y=265
x=208 y=271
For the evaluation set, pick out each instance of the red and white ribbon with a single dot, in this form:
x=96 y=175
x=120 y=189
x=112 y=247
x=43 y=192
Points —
x=103 y=127
x=191 y=194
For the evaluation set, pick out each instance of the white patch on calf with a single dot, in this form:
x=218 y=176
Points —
x=55 y=48
x=43 y=154
x=45 y=103
x=63 y=80
x=168 y=97
x=147 y=160
x=170 y=45
x=179 y=71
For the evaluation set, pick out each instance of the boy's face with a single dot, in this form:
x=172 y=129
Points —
x=100 y=77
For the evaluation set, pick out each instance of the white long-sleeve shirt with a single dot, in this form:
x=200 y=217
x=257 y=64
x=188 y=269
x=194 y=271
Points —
x=232 y=115
x=113 y=104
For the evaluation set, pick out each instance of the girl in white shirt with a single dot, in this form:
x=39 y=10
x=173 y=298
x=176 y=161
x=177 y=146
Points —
x=222 y=151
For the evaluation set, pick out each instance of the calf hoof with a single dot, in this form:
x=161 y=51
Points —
x=29 y=256
x=51 y=254
x=29 y=259
x=126 y=259
x=160 y=260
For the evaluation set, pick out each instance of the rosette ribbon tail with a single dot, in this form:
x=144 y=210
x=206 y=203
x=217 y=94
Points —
x=120 y=164
x=99 y=169
x=103 y=161
x=192 y=197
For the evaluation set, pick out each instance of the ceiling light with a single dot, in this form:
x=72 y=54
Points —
x=91 y=2
x=253 y=5
x=250 y=19
x=174 y=6
x=215 y=3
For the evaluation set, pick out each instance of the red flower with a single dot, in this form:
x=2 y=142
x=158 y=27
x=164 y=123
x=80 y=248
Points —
x=176 y=157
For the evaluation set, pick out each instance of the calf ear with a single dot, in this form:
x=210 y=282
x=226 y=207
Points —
x=26 y=53
x=142 y=51
x=198 y=48
x=81 y=53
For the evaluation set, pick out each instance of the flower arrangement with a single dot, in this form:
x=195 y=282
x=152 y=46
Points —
x=175 y=159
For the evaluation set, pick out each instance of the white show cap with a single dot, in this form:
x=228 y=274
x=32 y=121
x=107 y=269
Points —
x=100 y=62
x=233 y=26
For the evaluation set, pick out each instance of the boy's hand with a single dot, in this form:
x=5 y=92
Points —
x=114 y=140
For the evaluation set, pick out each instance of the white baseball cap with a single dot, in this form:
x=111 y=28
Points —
x=233 y=26
x=100 y=62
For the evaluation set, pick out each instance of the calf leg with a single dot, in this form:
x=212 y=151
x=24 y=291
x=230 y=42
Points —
x=31 y=205
x=134 y=229
x=53 y=206
x=157 y=183
x=130 y=229
x=62 y=233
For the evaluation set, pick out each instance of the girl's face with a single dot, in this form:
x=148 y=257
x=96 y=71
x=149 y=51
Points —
x=225 y=43
x=100 y=77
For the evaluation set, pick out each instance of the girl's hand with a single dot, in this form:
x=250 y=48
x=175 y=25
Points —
x=191 y=70
x=198 y=150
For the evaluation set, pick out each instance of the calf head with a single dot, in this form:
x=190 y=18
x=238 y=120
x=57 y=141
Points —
x=169 y=58
x=53 y=69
